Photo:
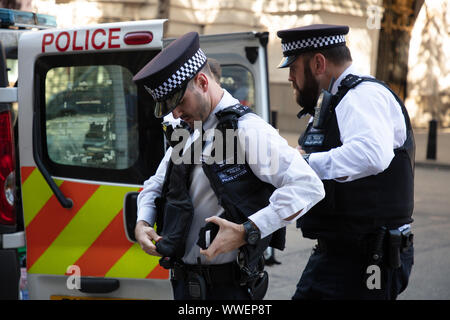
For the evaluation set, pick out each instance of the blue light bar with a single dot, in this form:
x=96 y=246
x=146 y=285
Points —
x=46 y=20
x=23 y=19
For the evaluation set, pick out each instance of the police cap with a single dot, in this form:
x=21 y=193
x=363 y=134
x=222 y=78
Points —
x=166 y=76
x=308 y=38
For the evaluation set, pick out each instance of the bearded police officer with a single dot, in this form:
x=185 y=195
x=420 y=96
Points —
x=214 y=218
x=360 y=143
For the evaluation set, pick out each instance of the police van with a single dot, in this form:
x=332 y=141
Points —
x=79 y=146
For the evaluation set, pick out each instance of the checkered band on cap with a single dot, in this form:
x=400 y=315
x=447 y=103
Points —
x=186 y=72
x=310 y=43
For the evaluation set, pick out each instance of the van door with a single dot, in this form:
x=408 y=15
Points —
x=243 y=60
x=87 y=137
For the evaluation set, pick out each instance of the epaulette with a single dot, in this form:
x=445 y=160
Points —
x=239 y=110
x=230 y=115
x=351 y=81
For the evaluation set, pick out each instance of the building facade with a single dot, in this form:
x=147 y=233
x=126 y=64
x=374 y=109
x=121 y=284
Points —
x=210 y=16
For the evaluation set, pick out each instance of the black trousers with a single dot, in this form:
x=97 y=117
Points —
x=329 y=276
x=232 y=291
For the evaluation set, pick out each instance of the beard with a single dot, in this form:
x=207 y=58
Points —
x=307 y=97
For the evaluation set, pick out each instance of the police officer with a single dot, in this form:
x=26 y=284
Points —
x=360 y=143
x=214 y=219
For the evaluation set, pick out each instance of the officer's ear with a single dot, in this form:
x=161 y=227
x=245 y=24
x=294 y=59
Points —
x=318 y=64
x=201 y=80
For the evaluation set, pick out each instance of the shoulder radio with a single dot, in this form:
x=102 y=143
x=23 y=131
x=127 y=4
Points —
x=316 y=135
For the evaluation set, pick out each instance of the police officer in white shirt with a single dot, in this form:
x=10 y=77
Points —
x=215 y=217
x=360 y=143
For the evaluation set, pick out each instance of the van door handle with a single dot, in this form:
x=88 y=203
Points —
x=98 y=285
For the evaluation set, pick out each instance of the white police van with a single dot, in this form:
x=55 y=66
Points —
x=80 y=145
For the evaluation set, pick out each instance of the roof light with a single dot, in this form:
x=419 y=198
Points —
x=23 y=19
x=139 y=37
x=45 y=20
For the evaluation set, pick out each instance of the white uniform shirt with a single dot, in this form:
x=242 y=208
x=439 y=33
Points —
x=371 y=125
x=270 y=158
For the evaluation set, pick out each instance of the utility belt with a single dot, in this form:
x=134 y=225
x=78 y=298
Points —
x=214 y=274
x=198 y=278
x=385 y=246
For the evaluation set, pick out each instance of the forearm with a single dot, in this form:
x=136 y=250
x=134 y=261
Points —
x=352 y=160
x=298 y=188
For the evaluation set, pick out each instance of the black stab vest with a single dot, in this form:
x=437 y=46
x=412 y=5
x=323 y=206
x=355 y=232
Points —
x=238 y=190
x=363 y=205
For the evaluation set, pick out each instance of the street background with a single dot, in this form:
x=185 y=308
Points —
x=430 y=276
x=402 y=42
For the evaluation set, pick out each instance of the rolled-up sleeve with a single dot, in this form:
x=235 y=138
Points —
x=273 y=161
x=152 y=190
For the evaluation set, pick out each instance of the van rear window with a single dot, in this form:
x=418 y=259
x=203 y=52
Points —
x=94 y=122
x=91 y=116
x=239 y=81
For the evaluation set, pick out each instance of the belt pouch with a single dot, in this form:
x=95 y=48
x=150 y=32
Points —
x=407 y=239
x=394 y=245
x=196 y=286
x=259 y=287
x=207 y=234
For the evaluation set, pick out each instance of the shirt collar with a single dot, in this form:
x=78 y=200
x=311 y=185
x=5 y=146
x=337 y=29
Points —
x=350 y=70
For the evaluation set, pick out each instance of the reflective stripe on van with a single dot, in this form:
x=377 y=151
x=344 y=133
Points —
x=91 y=235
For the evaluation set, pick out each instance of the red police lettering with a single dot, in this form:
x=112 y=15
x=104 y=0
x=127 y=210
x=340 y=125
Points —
x=97 y=39
x=102 y=44
x=47 y=40
x=67 y=44
x=111 y=37
x=74 y=44
x=86 y=43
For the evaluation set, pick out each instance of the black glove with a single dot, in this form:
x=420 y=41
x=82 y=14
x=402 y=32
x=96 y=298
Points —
x=177 y=221
x=207 y=235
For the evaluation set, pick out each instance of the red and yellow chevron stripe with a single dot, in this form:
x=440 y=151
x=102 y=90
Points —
x=90 y=235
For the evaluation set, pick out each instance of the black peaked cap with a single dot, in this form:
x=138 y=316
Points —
x=173 y=67
x=308 y=38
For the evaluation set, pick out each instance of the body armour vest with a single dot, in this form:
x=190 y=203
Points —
x=364 y=205
x=238 y=191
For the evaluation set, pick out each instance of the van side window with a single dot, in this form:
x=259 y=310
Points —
x=13 y=69
x=239 y=82
x=91 y=116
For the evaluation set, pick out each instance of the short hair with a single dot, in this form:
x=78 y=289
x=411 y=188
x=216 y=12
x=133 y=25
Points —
x=215 y=68
x=337 y=55
x=206 y=70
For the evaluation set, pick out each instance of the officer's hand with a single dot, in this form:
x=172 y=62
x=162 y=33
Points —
x=145 y=235
x=302 y=152
x=230 y=237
